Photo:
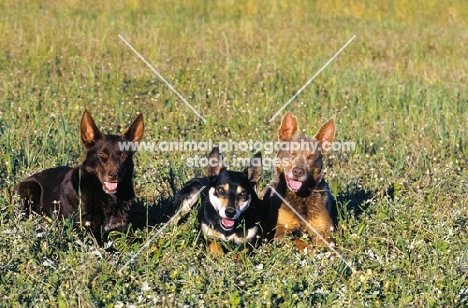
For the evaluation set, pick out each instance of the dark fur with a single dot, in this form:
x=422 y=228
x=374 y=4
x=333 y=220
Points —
x=56 y=192
x=299 y=180
x=229 y=190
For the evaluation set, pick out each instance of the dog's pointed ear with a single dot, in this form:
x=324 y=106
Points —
x=215 y=162
x=326 y=133
x=254 y=171
x=89 y=131
x=288 y=129
x=136 y=130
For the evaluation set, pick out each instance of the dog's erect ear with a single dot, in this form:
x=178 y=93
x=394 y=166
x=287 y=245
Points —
x=254 y=171
x=288 y=129
x=89 y=131
x=326 y=133
x=136 y=130
x=215 y=162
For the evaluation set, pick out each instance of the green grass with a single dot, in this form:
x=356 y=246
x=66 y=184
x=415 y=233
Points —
x=398 y=91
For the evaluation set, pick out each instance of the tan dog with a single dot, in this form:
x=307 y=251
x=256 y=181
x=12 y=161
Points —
x=299 y=181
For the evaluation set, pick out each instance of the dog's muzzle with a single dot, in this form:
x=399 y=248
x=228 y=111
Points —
x=229 y=222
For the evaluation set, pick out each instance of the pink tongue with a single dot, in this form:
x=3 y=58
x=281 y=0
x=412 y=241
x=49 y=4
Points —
x=295 y=184
x=227 y=222
x=110 y=186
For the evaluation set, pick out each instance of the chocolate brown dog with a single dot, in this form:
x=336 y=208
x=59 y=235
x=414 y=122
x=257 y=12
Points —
x=299 y=182
x=99 y=192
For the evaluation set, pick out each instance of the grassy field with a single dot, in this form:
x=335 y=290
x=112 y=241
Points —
x=399 y=91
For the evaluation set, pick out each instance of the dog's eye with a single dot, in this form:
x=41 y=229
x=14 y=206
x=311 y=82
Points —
x=102 y=155
x=123 y=155
x=221 y=191
x=243 y=193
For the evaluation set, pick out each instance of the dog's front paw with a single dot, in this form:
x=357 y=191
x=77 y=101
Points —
x=319 y=241
x=304 y=248
x=241 y=255
x=215 y=248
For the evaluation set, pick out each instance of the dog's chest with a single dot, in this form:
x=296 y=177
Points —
x=105 y=211
x=237 y=237
x=316 y=201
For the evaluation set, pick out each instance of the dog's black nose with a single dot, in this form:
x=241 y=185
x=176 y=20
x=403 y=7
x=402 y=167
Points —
x=112 y=175
x=298 y=172
x=230 y=212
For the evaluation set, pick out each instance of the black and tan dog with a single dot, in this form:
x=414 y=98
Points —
x=299 y=181
x=100 y=189
x=230 y=209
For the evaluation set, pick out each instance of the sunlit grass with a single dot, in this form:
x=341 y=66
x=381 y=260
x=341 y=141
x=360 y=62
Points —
x=398 y=91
